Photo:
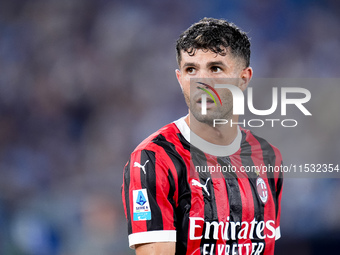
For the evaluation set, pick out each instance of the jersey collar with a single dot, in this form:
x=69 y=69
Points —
x=203 y=145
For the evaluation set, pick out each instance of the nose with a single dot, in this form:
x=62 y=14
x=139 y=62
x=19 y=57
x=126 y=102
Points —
x=204 y=74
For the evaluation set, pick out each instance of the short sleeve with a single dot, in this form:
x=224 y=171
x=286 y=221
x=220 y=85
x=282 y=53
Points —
x=148 y=198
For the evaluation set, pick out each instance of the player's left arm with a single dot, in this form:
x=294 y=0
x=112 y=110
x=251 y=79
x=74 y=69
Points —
x=160 y=248
x=149 y=200
x=279 y=186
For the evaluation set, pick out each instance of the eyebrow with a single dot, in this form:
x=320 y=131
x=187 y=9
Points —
x=210 y=64
x=191 y=64
x=215 y=63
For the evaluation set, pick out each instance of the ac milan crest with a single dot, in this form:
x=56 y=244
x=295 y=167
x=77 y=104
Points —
x=262 y=189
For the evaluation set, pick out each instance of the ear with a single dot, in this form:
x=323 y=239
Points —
x=179 y=76
x=245 y=75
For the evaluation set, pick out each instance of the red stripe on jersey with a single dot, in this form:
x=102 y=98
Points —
x=278 y=161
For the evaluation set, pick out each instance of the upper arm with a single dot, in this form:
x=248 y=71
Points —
x=163 y=248
x=148 y=198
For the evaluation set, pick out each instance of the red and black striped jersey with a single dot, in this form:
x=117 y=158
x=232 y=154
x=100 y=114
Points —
x=209 y=199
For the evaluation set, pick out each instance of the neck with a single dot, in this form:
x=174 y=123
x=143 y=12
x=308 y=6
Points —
x=223 y=134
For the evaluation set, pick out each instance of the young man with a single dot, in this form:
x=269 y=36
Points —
x=173 y=204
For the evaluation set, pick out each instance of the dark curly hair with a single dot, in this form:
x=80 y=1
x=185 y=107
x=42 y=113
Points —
x=216 y=35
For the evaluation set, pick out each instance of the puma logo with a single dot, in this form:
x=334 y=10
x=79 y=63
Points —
x=196 y=183
x=136 y=164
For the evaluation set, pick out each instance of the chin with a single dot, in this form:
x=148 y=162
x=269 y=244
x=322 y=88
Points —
x=210 y=117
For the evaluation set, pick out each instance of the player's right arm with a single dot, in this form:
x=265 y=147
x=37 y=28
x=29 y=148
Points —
x=168 y=248
x=150 y=196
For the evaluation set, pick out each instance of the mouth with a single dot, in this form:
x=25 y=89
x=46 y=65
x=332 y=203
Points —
x=209 y=101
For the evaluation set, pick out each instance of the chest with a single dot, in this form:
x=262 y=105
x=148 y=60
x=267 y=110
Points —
x=231 y=199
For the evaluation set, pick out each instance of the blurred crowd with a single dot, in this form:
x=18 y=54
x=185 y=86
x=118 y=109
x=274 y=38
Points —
x=84 y=81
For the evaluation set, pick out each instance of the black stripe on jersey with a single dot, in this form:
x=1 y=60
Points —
x=225 y=161
x=247 y=161
x=269 y=158
x=148 y=182
x=186 y=145
x=234 y=195
x=171 y=195
x=184 y=191
x=279 y=187
x=127 y=196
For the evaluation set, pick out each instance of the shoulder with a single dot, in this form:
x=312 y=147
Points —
x=159 y=139
x=164 y=149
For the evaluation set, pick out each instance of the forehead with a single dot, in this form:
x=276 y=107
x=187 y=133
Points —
x=202 y=57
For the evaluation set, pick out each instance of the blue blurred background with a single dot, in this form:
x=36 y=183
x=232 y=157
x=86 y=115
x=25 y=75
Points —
x=82 y=82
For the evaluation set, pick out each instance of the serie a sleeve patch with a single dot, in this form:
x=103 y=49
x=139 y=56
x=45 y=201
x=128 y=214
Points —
x=141 y=206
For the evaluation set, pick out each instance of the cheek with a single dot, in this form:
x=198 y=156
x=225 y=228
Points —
x=186 y=92
x=185 y=85
x=226 y=97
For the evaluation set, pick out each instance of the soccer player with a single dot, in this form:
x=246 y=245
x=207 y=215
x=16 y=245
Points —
x=184 y=189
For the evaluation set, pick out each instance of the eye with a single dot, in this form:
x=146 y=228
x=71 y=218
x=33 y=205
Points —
x=216 y=69
x=190 y=70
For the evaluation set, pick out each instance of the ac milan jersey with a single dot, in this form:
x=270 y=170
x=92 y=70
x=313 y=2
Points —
x=209 y=199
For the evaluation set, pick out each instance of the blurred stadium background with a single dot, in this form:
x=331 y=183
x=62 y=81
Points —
x=82 y=82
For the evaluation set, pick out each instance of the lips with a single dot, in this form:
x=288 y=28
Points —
x=209 y=101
